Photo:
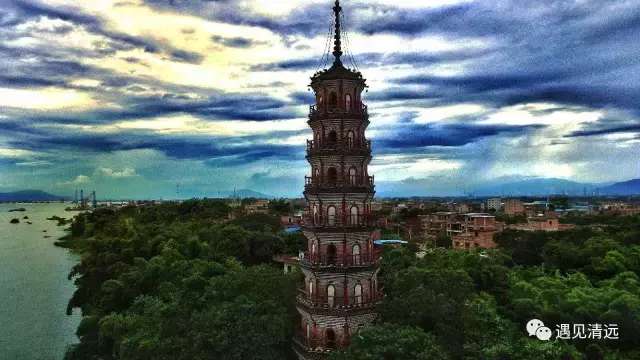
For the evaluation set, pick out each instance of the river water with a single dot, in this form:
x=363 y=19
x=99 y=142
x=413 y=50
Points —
x=34 y=289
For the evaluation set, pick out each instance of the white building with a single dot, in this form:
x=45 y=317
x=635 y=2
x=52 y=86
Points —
x=494 y=203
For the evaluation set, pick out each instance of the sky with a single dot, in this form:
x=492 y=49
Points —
x=181 y=98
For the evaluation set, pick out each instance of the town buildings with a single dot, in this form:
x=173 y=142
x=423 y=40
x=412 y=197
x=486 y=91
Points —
x=475 y=230
x=466 y=231
x=438 y=223
x=340 y=268
x=619 y=208
x=513 y=207
x=545 y=221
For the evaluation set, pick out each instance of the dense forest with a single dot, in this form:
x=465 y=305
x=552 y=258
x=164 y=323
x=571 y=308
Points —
x=189 y=281
x=181 y=281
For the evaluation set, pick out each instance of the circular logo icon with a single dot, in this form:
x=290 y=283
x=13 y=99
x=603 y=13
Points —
x=543 y=333
x=533 y=325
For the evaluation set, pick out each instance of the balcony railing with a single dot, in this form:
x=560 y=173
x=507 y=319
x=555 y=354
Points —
x=344 y=146
x=310 y=344
x=348 y=182
x=318 y=344
x=338 y=112
x=339 y=261
x=337 y=221
x=338 y=301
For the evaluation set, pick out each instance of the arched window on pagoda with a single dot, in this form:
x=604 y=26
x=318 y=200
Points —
x=320 y=100
x=316 y=215
x=331 y=254
x=311 y=289
x=355 y=252
x=330 y=338
x=333 y=100
x=353 y=216
x=357 y=294
x=314 y=250
x=316 y=175
x=351 y=139
x=347 y=102
x=332 y=139
x=353 y=176
x=332 y=176
x=308 y=330
x=331 y=295
x=331 y=216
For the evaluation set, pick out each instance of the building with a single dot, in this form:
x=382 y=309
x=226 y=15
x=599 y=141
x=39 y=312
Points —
x=494 y=204
x=462 y=208
x=399 y=208
x=340 y=267
x=547 y=221
x=437 y=223
x=619 y=208
x=291 y=220
x=536 y=207
x=513 y=207
x=257 y=207
x=289 y=263
x=475 y=230
x=543 y=222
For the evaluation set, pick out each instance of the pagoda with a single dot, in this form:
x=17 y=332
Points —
x=340 y=267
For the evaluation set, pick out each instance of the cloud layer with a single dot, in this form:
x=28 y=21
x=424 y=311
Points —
x=205 y=96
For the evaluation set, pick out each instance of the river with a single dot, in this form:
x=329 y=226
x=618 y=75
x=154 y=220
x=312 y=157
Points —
x=34 y=289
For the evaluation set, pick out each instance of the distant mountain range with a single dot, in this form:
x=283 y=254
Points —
x=244 y=193
x=511 y=186
x=30 y=195
x=551 y=186
x=631 y=187
x=535 y=187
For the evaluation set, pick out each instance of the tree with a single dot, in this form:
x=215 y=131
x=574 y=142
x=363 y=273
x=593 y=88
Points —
x=389 y=341
x=443 y=240
x=425 y=298
x=280 y=207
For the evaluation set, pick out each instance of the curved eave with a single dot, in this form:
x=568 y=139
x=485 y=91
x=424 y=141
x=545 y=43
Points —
x=337 y=73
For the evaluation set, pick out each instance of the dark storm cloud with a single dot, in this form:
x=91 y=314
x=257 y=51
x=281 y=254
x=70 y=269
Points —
x=216 y=151
x=298 y=64
x=604 y=128
x=447 y=135
x=485 y=82
x=367 y=60
x=186 y=56
x=402 y=93
x=309 y=20
x=21 y=11
x=224 y=106
x=257 y=153
x=236 y=42
x=34 y=9
x=302 y=98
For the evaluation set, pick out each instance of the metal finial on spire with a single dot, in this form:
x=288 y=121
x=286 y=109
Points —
x=337 y=45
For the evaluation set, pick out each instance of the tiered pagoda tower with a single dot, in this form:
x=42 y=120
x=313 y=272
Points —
x=340 y=267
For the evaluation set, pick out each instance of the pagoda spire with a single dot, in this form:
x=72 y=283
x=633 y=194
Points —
x=337 y=44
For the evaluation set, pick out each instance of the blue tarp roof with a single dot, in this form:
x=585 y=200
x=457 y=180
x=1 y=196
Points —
x=390 y=242
x=292 y=229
